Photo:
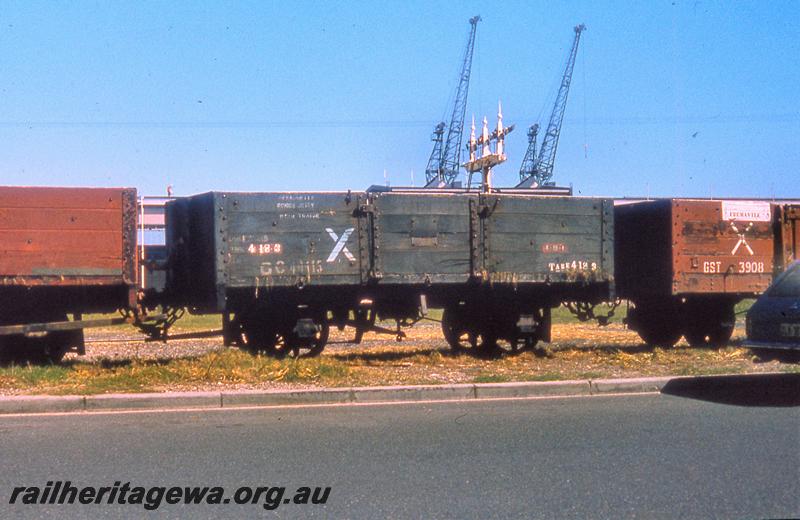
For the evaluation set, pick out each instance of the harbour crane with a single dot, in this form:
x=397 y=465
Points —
x=537 y=170
x=444 y=162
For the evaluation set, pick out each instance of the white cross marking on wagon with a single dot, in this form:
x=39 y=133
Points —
x=340 y=246
x=742 y=241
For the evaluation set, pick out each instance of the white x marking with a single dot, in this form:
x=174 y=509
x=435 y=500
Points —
x=742 y=241
x=340 y=246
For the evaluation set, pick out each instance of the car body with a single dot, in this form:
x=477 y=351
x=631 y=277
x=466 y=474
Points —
x=773 y=322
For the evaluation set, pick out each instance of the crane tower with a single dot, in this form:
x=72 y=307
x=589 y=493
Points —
x=538 y=170
x=443 y=164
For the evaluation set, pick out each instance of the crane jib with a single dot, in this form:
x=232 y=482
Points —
x=538 y=169
x=445 y=159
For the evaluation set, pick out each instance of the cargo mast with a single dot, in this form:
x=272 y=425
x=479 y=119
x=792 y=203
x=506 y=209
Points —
x=538 y=170
x=443 y=164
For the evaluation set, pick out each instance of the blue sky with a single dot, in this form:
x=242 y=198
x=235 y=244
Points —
x=669 y=98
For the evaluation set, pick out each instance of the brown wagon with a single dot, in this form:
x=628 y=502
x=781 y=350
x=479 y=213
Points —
x=684 y=264
x=63 y=252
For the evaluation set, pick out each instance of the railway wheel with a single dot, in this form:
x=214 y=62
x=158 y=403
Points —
x=262 y=337
x=308 y=343
x=49 y=349
x=696 y=335
x=659 y=336
x=283 y=339
x=258 y=335
x=53 y=347
x=710 y=331
x=39 y=350
x=711 y=336
x=464 y=336
x=658 y=327
x=516 y=344
x=12 y=349
x=518 y=331
x=279 y=342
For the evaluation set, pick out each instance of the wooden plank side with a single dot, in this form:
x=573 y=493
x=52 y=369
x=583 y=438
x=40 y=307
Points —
x=395 y=220
x=533 y=224
x=286 y=239
x=60 y=219
x=46 y=197
x=19 y=263
x=712 y=254
x=537 y=239
x=423 y=238
x=551 y=206
x=39 y=242
x=57 y=234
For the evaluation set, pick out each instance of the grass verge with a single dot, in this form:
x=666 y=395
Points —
x=578 y=351
x=233 y=369
x=228 y=368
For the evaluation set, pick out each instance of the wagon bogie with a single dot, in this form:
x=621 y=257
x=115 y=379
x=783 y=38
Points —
x=279 y=324
x=284 y=331
x=466 y=333
x=483 y=323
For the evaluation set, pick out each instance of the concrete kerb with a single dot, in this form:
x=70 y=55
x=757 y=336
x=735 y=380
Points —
x=108 y=402
x=532 y=389
x=383 y=394
x=286 y=397
x=41 y=404
x=456 y=392
x=631 y=385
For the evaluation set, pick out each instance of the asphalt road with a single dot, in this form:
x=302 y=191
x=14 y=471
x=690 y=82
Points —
x=642 y=456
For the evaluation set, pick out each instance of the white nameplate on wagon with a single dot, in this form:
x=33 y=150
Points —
x=746 y=211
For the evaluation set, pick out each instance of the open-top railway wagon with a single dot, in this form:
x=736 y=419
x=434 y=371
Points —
x=685 y=263
x=283 y=267
x=63 y=251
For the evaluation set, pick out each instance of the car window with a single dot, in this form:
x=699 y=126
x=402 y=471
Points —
x=788 y=284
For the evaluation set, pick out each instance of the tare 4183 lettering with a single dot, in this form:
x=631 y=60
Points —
x=575 y=265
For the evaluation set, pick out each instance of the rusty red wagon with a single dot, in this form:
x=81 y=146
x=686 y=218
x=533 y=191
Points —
x=64 y=252
x=685 y=263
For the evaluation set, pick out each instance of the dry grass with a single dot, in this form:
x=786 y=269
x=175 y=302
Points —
x=578 y=351
x=223 y=369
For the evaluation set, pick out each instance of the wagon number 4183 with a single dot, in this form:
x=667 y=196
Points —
x=265 y=249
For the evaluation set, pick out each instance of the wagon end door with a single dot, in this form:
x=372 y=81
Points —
x=722 y=246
